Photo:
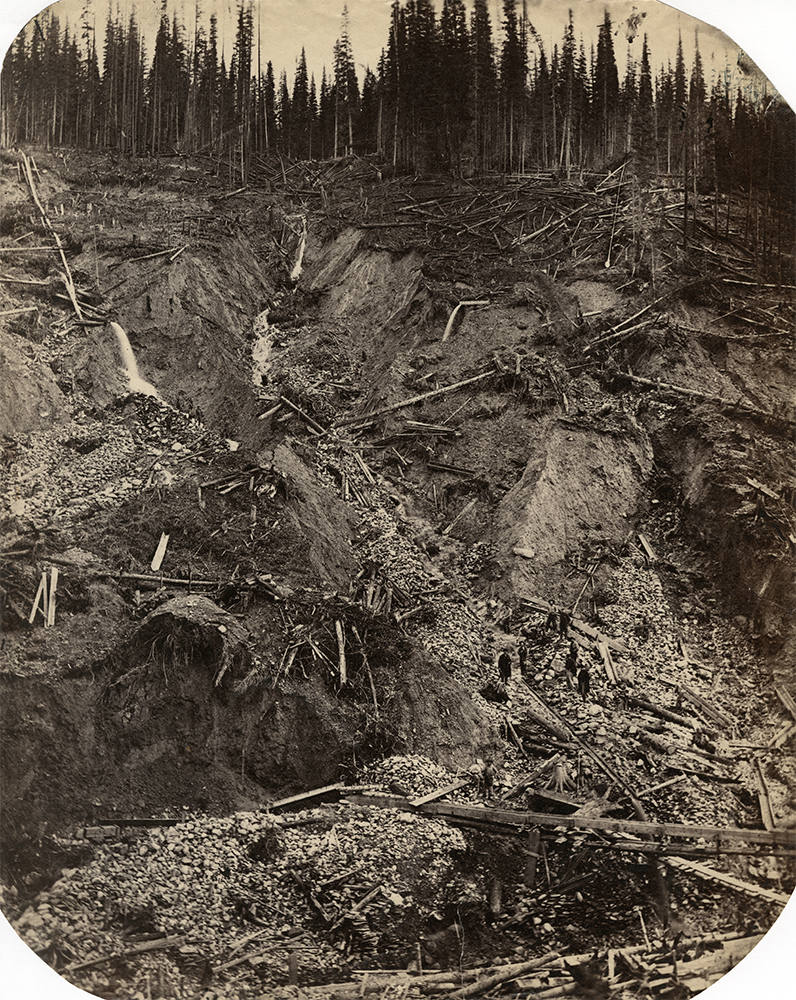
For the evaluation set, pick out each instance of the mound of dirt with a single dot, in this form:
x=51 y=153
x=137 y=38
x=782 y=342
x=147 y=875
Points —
x=31 y=399
x=581 y=489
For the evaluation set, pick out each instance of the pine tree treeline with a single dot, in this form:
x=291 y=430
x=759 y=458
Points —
x=449 y=93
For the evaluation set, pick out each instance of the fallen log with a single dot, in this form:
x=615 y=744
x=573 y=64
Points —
x=657 y=742
x=713 y=713
x=557 y=731
x=696 y=394
x=67 y=274
x=412 y=400
x=523 y=818
x=504 y=976
x=304 y=416
x=663 y=784
x=663 y=713
x=532 y=775
x=167 y=942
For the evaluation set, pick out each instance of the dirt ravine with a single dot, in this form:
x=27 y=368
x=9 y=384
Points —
x=341 y=571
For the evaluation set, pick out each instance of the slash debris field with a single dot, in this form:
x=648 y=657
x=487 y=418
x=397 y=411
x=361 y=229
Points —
x=350 y=438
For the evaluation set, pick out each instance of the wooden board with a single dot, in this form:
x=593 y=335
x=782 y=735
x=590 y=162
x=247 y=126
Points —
x=787 y=700
x=439 y=792
x=711 y=875
x=314 y=793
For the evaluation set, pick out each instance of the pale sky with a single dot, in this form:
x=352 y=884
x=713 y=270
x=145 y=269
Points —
x=764 y=29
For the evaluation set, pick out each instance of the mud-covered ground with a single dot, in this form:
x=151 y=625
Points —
x=307 y=513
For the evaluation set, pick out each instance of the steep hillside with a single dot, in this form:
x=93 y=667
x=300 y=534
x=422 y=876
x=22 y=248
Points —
x=393 y=428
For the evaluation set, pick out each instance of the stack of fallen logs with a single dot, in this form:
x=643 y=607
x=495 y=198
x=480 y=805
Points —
x=691 y=965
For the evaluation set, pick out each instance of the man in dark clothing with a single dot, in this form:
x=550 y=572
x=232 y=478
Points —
x=572 y=663
x=522 y=653
x=488 y=779
x=584 y=681
x=504 y=667
x=552 y=621
x=563 y=623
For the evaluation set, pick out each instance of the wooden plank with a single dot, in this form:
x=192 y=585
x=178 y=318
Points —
x=53 y=591
x=608 y=663
x=338 y=627
x=40 y=593
x=712 y=713
x=560 y=798
x=781 y=738
x=786 y=699
x=763 y=489
x=782 y=838
x=439 y=792
x=648 y=550
x=160 y=552
x=711 y=875
x=764 y=797
x=313 y=793
x=532 y=858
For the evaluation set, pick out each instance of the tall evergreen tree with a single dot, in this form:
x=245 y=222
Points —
x=455 y=112
x=513 y=72
x=483 y=88
x=605 y=93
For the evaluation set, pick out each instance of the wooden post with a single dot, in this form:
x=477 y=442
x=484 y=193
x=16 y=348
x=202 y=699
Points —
x=160 y=552
x=41 y=597
x=53 y=589
x=338 y=627
x=532 y=858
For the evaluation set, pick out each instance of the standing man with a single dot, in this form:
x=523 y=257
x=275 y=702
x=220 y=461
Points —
x=504 y=666
x=488 y=778
x=572 y=663
x=522 y=653
x=584 y=681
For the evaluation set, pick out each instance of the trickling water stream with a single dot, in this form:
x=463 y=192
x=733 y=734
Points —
x=134 y=380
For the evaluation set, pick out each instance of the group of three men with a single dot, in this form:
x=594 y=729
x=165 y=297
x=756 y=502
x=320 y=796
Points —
x=576 y=671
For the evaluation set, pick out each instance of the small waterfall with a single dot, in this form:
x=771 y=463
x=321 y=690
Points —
x=295 y=274
x=261 y=351
x=134 y=380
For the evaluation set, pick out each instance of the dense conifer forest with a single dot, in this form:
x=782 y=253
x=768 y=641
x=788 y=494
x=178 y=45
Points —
x=451 y=92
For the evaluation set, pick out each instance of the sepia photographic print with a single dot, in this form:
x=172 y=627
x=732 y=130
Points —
x=397 y=495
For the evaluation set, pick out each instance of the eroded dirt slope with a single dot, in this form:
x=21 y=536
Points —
x=342 y=568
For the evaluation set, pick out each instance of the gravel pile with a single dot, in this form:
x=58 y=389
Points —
x=413 y=772
x=296 y=878
x=69 y=471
